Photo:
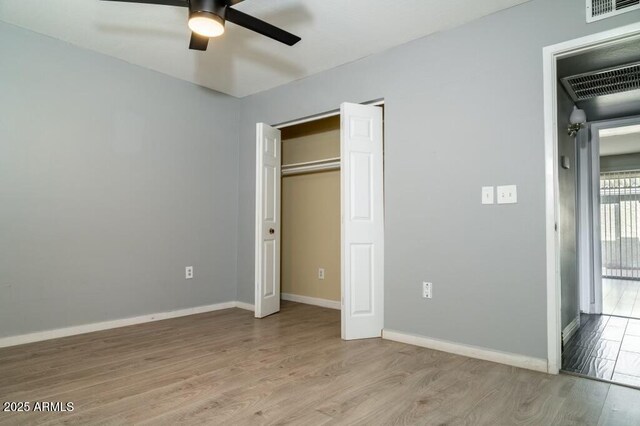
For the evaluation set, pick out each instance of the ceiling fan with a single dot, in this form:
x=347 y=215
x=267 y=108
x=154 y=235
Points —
x=207 y=19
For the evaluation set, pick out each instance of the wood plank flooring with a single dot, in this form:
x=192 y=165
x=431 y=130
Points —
x=228 y=368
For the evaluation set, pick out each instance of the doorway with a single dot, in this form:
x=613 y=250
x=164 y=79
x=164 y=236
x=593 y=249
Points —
x=606 y=344
x=310 y=252
x=361 y=239
x=619 y=151
x=565 y=304
x=597 y=89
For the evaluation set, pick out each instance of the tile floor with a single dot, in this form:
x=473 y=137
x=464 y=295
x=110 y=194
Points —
x=605 y=347
x=621 y=297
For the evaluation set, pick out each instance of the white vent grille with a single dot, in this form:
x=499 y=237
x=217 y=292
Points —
x=601 y=9
x=605 y=82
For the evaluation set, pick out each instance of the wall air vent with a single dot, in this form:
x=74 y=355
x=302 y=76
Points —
x=601 y=9
x=589 y=85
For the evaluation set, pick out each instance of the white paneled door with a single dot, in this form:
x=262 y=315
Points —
x=268 y=186
x=362 y=221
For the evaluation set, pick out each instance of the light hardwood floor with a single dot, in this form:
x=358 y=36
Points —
x=228 y=368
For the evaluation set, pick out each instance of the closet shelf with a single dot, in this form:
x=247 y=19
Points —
x=311 y=166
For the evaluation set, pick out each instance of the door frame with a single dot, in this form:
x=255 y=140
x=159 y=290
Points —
x=302 y=120
x=320 y=116
x=585 y=219
x=596 y=249
x=550 y=55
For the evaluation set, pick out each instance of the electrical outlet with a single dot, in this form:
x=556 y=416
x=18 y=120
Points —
x=426 y=290
x=188 y=272
x=321 y=273
x=507 y=194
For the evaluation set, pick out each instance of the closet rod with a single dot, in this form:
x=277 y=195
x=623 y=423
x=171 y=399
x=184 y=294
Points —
x=311 y=166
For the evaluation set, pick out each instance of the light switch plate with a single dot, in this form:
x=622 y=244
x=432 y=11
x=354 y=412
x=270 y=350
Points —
x=507 y=194
x=487 y=195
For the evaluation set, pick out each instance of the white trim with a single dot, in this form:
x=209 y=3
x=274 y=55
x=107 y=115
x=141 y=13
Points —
x=309 y=119
x=325 y=303
x=106 y=325
x=570 y=329
x=584 y=221
x=521 y=361
x=245 y=306
x=320 y=116
x=550 y=56
x=589 y=253
x=595 y=292
x=551 y=201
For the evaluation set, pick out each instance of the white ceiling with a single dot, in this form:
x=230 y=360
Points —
x=241 y=63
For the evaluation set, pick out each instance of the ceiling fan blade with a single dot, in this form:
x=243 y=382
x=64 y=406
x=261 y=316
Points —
x=198 y=42
x=181 y=3
x=261 y=27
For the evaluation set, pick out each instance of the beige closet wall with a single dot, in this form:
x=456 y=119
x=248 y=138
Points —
x=311 y=212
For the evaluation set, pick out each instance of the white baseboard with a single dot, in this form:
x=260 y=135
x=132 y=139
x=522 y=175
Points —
x=325 y=303
x=515 y=360
x=245 y=306
x=570 y=329
x=105 y=325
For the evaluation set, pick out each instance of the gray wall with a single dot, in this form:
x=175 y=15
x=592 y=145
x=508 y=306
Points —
x=463 y=109
x=567 y=185
x=113 y=178
x=618 y=163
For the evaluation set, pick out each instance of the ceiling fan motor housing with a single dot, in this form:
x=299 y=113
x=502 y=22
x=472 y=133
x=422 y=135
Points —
x=207 y=19
x=218 y=8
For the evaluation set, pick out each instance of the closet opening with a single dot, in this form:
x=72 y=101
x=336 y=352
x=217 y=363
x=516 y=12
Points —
x=319 y=236
x=310 y=213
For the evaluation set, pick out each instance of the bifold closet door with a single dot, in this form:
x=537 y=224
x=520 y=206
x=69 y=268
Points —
x=268 y=193
x=361 y=154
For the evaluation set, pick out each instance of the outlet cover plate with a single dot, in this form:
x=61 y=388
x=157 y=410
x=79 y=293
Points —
x=507 y=194
x=426 y=290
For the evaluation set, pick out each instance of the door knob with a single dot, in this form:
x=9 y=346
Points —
x=272 y=231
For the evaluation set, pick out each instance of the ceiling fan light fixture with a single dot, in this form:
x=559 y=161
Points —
x=206 y=24
x=207 y=19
